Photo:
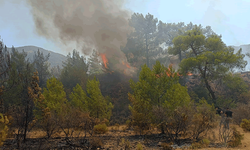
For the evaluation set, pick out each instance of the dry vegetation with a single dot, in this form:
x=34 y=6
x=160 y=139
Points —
x=120 y=137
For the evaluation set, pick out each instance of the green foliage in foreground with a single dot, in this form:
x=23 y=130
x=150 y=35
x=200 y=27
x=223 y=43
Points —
x=157 y=90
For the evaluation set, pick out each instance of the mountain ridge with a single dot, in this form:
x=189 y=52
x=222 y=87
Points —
x=55 y=59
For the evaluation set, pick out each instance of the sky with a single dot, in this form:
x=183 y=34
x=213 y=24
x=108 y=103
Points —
x=229 y=18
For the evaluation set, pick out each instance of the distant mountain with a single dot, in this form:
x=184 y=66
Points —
x=57 y=59
x=245 y=49
x=54 y=59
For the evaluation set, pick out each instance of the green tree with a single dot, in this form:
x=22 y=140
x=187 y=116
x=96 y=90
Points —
x=99 y=106
x=5 y=66
x=168 y=31
x=207 y=56
x=158 y=88
x=95 y=66
x=42 y=66
x=230 y=89
x=74 y=71
x=55 y=96
x=142 y=41
x=79 y=98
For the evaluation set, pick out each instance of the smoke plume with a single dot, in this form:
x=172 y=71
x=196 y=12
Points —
x=90 y=24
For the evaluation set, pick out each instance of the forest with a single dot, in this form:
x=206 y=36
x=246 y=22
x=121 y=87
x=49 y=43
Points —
x=163 y=95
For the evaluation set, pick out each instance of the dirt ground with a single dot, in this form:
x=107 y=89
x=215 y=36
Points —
x=116 y=139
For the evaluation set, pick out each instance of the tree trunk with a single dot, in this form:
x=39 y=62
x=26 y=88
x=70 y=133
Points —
x=212 y=95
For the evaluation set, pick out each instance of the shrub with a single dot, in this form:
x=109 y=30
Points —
x=95 y=143
x=3 y=128
x=236 y=138
x=100 y=129
x=241 y=112
x=139 y=146
x=127 y=145
x=245 y=125
x=205 y=142
x=178 y=123
x=166 y=146
x=204 y=119
x=201 y=144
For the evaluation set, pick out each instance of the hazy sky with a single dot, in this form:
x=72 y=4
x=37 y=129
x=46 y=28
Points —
x=230 y=18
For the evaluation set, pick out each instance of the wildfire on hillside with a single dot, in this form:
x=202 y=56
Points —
x=114 y=64
x=104 y=59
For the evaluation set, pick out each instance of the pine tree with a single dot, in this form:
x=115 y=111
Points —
x=42 y=66
x=55 y=97
x=95 y=66
x=99 y=106
x=79 y=98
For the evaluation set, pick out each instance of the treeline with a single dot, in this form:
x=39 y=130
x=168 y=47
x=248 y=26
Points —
x=83 y=94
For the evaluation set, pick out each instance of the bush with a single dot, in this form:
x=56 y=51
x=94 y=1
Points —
x=139 y=146
x=166 y=146
x=95 y=143
x=202 y=144
x=245 y=125
x=203 y=120
x=235 y=139
x=241 y=112
x=191 y=121
x=127 y=145
x=3 y=128
x=206 y=142
x=100 y=129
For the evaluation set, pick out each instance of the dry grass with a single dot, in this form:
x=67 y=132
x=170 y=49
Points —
x=116 y=136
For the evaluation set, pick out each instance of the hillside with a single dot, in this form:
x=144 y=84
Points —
x=54 y=59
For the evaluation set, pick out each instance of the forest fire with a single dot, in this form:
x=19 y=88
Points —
x=104 y=60
x=126 y=64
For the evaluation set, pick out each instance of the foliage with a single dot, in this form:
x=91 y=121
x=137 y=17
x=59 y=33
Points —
x=201 y=144
x=55 y=97
x=207 y=56
x=95 y=66
x=5 y=66
x=155 y=88
x=203 y=120
x=3 y=128
x=230 y=88
x=142 y=45
x=79 y=98
x=18 y=100
x=191 y=121
x=116 y=86
x=100 y=129
x=242 y=111
x=178 y=123
x=42 y=66
x=166 y=146
x=235 y=139
x=245 y=124
x=127 y=145
x=99 y=106
x=74 y=71
x=139 y=146
x=95 y=143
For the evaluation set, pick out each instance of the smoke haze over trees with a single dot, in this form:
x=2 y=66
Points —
x=127 y=68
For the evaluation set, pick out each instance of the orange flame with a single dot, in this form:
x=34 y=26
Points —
x=104 y=60
x=128 y=65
